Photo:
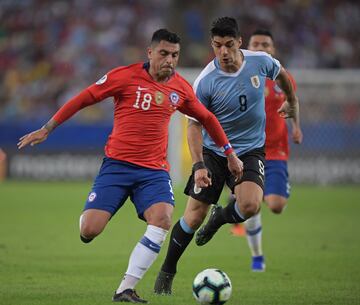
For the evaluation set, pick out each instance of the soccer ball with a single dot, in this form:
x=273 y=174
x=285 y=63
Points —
x=212 y=286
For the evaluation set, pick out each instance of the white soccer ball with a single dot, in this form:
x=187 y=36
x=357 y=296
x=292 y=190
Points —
x=212 y=286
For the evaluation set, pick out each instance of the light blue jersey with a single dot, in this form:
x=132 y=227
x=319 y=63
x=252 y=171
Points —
x=237 y=99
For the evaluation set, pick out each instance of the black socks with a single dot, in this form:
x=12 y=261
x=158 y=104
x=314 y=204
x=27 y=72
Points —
x=179 y=240
x=222 y=216
x=230 y=215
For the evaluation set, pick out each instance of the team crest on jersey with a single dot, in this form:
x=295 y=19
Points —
x=159 y=97
x=174 y=98
x=92 y=197
x=101 y=80
x=255 y=81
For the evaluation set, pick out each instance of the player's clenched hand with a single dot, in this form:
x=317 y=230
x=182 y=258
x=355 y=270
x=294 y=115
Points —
x=297 y=135
x=289 y=110
x=202 y=178
x=235 y=166
x=33 y=138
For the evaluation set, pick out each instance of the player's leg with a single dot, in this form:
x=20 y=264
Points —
x=154 y=200
x=108 y=194
x=275 y=195
x=253 y=232
x=92 y=223
x=183 y=232
x=194 y=215
x=277 y=187
x=253 y=228
x=181 y=236
x=248 y=192
x=276 y=203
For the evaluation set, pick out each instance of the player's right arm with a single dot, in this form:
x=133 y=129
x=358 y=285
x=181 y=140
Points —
x=65 y=112
x=107 y=86
x=195 y=109
x=195 y=141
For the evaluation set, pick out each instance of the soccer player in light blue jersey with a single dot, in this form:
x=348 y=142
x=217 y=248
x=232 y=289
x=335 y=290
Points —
x=232 y=87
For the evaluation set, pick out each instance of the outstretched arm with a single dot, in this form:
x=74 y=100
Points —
x=64 y=113
x=37 y=136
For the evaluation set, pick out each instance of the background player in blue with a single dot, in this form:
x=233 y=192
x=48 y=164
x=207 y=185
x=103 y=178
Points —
x=232 y=87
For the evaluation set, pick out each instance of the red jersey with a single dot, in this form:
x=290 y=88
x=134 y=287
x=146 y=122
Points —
x=276 y=143
x=142 y=111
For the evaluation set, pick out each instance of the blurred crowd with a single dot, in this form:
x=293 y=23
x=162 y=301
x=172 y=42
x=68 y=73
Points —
x=307 y=33
x=50 y=50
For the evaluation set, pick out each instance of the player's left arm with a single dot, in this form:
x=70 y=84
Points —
x=290 y=108
x=83 y=99
x=107 y=86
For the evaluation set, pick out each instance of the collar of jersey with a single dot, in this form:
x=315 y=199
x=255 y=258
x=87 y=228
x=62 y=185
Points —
x=235 y=74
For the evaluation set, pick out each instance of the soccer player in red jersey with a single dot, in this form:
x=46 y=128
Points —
x=135 y=166
x=277 y=188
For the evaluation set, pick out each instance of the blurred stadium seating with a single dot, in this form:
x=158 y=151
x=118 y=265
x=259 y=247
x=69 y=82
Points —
x=50 y=50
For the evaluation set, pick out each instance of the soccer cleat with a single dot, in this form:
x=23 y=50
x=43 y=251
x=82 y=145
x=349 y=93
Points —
x=85 y=240
x=163 y=282
x=258 y=263
x=207 y=232
x=128 y=295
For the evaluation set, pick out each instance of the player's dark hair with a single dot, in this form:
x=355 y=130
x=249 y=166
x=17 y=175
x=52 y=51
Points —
x=225 y=26
x=264 y=32
x=164 y=34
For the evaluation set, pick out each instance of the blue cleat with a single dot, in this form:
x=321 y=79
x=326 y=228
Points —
x=258 y=263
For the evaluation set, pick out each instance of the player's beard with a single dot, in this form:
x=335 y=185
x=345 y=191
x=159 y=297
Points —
x=165 y=73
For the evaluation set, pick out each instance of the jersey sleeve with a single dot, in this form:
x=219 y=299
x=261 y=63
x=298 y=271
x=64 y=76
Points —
x=111 y=84
x=200 y=92
x=192 y=104
x=82 y=100
x=270 y=66
x=199 y=95
x=194 y=109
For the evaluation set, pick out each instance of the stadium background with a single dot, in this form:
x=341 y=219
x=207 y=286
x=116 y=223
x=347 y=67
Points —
x=50 y=50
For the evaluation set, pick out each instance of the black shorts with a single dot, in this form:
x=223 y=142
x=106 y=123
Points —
x=254 y=171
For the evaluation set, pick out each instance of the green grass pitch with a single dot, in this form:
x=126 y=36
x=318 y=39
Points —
x=312 y=251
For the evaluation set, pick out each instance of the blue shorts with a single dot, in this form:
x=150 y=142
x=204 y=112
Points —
x=276 y=178
x=118 y=180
